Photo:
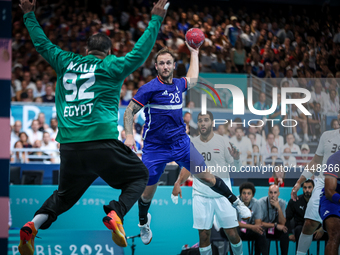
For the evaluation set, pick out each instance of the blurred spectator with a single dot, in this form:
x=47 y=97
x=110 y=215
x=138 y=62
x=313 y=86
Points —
x=38 y=156
x=183 y=25
x=49 y=147
x=257 y=158
x=289 y=78
x=19 y=157
x=302 y=124
x=233 y=31
x=314 y=122
x=40 y=91
x=304 y=160
x=335 y=124
x=48 y=97
x=28 y=80
x=318 y=96
x=284 y=33
x=259 y=140
x=278 y=139
x=207 y=58
x=238 y=57
x=41 y=121
x=33 y=132
x=267 y=147
x=243 y=144
x=267 y=72
x=332 y=105
x=261 y=104
x=295 y=149
x=53 y=129
x=15 y=132
x=219 y=66
x=274 y=159
x=187 y=118
x=247 y=38
x=24 y=140
x=288 y=160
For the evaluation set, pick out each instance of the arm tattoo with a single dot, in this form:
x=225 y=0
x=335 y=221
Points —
x=130 y=111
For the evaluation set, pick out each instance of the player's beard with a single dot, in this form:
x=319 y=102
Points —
x=206 y=132
x=168 y=75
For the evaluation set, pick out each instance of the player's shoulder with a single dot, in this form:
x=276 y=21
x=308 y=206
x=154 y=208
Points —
x=327 y=135
x=221 y=139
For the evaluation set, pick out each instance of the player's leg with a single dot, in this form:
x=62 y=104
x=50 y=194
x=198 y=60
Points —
x=312 y=220
x=73 y=182
x=191 y=159
x=332 y=225
x=226 y=217
x=203 y=216
x=204 y=243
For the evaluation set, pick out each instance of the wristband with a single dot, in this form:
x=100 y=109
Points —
x=307 y=174
x=336 y=198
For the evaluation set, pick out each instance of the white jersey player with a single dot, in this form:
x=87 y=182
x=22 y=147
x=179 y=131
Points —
x=328 y=145
x=219 y=157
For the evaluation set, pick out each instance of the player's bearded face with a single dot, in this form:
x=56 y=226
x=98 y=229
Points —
x=165 y=66
x=204 y=125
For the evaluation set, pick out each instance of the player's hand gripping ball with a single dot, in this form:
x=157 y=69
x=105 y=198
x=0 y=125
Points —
x=195 y=37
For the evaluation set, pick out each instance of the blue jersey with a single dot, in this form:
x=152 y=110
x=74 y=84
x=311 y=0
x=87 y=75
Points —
x=163 y=110
x=333 y=168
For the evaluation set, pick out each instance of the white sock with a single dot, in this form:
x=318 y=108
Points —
x=304 y=243
x=39 y=219
x=306 y=136
x=206 y=250
x=237 y=248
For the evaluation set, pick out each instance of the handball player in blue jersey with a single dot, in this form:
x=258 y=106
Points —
x=165 y=139
x=330 y=204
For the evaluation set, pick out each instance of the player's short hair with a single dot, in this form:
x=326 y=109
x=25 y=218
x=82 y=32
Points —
x=211 y=116
x=165 y=50
x=99 y=42
x=247 y=185
x=309 y=181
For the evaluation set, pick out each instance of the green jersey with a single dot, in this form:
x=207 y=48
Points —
x=88 y=88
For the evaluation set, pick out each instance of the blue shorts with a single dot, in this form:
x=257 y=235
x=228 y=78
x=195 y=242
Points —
x=156 y=156
x=328 y=208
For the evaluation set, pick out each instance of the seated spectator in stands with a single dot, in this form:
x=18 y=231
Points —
x=48 y=146
x=238 y=57
x=335 y=124
x=304 y=160
x=267 y=147
x=257 y=158
x=40 y=91
x=274 y=159
x=19 y=157
x=30 y=83
x=247 y=38
x=183 y=25
x=284 y=33
x=267 y=72
x=278 y=177
x=293 y=83
x=261 y=104
x=30 y=96
x=207 y=58
x=314 y=122
x=187 y=118
x=34 y=133
x=219 y=65
x=243 y=144
x=252 y=138
x=53 y=129
x=24 y=97
x=271 y=217
x=48 y=97
x=15 y=132
x=24 y=140
x=276 y=70
x=39 y=155
x=247 y=229
x=318 y=96
x=332 y=105
x=233 y=31
x=288 y=160
x=257 y=66
x=278 y=139
x=301 y=119
x=294 y=148
x=221 y=130
x=41 y=121
x=296 y=210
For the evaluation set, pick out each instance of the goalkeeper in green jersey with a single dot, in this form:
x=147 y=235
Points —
x=87 y=99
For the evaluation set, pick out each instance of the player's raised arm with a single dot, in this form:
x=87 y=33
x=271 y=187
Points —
x=145 y=43
x=193 y=71
x=50 y=52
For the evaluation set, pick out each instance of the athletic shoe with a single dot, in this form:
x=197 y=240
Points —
x=114 y=223
x=242 y=210
x=297 y=138
x=27 y=235
x=145 y=231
